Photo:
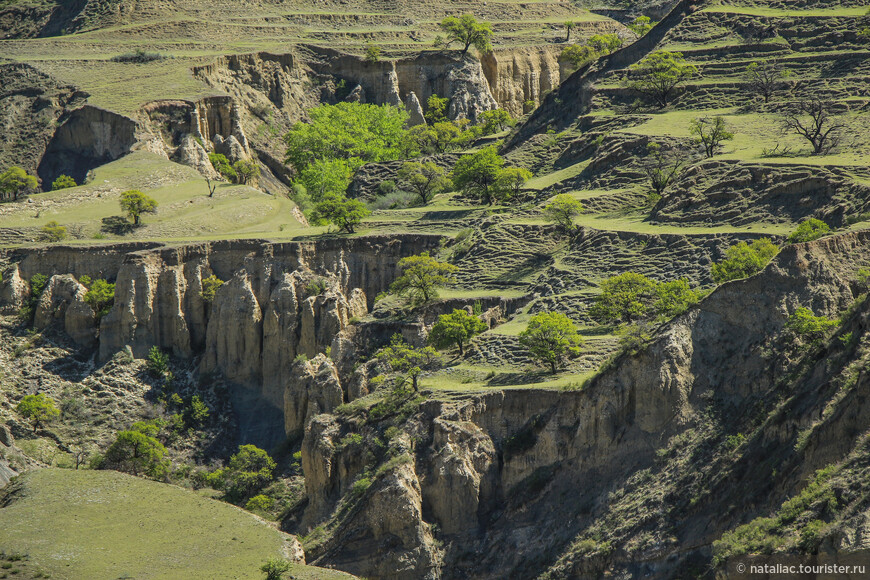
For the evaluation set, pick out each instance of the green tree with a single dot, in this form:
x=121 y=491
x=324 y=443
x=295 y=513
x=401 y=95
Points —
x=63 y=182
x=135 y=203
x=577 y=54
x=624 y=298
x=356 y=133
x=325 y=177
x=551 y=339
x=662 y=165
x=660 y=75
x=710 y=133
x=341 y=211
x=15 y=181
x=495 y=121
x=438 y=137
x=373 y=52
x=604 y=43
x=765 y=78
x=562 y=210
x=158 y=362
x=436 y=109
x=674 y=297
x=136 y=452
x=210 y=287
x=425 y=178
x=569 y=26
x=808 y=327
x=743 y=260
x=421 y=276
x=274 y=568
x=808 y=230
x=476 y=174
x=53 y=232
x=222 y=165
x=248 y=471
x=456 y=328
x=38 y=409
x=198 y=412
x=401 y=357
x=246 y=170
x=100 y=297
x=509 y=182
x=468 y=32
x=640 y=26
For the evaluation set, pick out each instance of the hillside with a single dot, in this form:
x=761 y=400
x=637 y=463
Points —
x=59 y=520
x=712 y=411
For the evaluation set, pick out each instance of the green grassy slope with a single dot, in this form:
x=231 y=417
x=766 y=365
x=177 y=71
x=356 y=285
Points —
x=104 y=524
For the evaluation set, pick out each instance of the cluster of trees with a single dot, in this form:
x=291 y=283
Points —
x=631 y=297
x=15 y=182
x=601 y=44
x=243 y=171
x=338 y=139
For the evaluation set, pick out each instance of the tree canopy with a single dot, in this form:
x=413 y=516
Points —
x=562 y=210
x=355 y=133
x=38 y=409
x=425 y=178
x=629 y=297
x=476 y=174
x=421 y=276
x=808 y=230
x=135 y=203
x=743 y=260
x=551 y=339
x=341 y=211
x=401 y=357
x=456 y=328
x=15 y=181
x=468 y=32
x=138 y=451
x=659 y=75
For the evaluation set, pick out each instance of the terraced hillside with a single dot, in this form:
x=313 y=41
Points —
x=672 y=445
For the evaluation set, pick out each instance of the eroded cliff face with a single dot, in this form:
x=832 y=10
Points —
x=508 y=479
x=279 y=300
x=519 y=78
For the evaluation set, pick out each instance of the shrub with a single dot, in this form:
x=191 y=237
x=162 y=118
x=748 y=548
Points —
x=562 y=210
x=804 y=325
x=222 y=165
x=373 y=53
x=274 y=568
x=386 y=187
x=100 y=297
x=260 y=503
x=158 y=362
x=624 y=298
x=138 y=56
x=396 y=200
x=809 y=230
x=744 y=260
x=63 y=182
x=136 y=452
x=210 y=286
x=53 y=232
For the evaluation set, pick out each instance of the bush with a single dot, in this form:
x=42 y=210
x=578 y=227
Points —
x=136 y=452
x=422 y=276
x=138 y=56
x=158 y=362
x=53 y=232
x=274 y=568
x=63 y=182
x=395 y=200
x=386 y=187
x=222 y=166
x=210 y=286
x=456 y=328
x=744 y=260
x=809 y=230
x=100 y=297
x=804 y=325
x=260 y=503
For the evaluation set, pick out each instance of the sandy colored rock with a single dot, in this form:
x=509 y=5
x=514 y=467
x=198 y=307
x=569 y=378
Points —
x=313 y=388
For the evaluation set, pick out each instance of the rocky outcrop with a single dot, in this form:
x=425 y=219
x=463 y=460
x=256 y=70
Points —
x=415 y=110
x=520 y=75
x=63 y=301
x=312 y=389
x=191 y=153
x=13 y=289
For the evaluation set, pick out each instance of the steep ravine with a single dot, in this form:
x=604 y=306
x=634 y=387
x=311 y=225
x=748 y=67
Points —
x=500 y=485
